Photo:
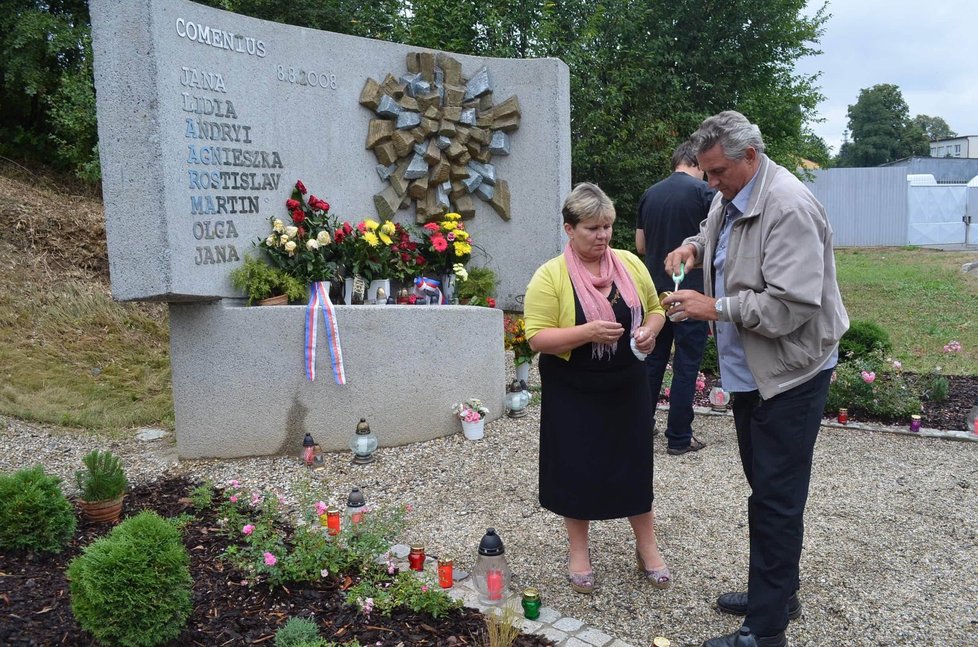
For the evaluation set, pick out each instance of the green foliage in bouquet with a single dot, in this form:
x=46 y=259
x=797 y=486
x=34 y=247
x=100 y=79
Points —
x=132 y=587
x=34 y=513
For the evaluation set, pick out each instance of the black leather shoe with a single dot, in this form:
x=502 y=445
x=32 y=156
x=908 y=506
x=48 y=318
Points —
x=743 y=637
x=736 y=603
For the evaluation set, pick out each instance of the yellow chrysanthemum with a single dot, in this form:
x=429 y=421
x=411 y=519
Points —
x=462 y=248
x=371 y=238
x=453 y=216
x=388 y=228
x=449 y=225
x=384 y=238
x=461 y=234
x=371 y=225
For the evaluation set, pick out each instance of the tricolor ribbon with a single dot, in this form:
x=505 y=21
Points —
x=319 y=297
x=424 y=285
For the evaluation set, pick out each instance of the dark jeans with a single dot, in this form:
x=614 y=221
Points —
x=777 y=440
x=690 y=340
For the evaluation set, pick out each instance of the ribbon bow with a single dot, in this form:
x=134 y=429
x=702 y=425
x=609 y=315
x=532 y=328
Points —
x=426 y=286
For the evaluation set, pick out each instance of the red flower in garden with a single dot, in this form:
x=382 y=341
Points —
x=491 y=302
x=298 y=216
x=300 y=186
x=292 y=205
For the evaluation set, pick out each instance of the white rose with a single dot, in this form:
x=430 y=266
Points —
x=323 y=237
x=311 y=244
x=290 y=247
x=291 y=231
x=270 y=241
x=278 y=225
x=283 y=239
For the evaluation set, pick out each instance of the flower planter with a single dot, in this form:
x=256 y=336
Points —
x=278 y=300
x=474 y=430
x=102 y=511
x=523 y=372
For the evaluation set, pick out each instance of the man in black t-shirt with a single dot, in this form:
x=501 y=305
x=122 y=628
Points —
x=669 y=212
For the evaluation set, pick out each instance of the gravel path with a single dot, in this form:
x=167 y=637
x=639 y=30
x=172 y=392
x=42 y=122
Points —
x=891 y=548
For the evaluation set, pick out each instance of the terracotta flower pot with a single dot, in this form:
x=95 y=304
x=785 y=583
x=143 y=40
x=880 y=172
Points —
x=278 y=300
x=102 y=511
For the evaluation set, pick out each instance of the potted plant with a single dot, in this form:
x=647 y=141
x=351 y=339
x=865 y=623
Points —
x=473 y=414
x=478 y=288
x=266 y=285
x=103 y=485
x=514 y=337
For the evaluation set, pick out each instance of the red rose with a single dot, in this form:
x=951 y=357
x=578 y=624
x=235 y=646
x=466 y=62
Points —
x=298 y=216
x=292 y=205
x=301 y=232
x=405 y=257
x=302 y=187
x=362 y=226
x=491 y=302
x=338 y=236
x=347 y=229
x=419 y=261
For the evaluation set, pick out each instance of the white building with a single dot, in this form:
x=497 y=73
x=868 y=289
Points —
x=966 y=146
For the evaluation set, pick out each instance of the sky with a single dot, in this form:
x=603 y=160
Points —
x=929 y=49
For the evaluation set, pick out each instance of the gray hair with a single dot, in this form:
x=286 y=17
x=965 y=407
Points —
x=587 y=202
x=732 y=130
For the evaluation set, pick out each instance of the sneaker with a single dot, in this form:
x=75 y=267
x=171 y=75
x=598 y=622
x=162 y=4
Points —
x=694 y=446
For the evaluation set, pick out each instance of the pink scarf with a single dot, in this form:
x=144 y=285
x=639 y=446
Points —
x=596 y=305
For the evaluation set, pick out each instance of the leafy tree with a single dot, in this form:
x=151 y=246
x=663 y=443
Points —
x=881 y=129
x=934 y=127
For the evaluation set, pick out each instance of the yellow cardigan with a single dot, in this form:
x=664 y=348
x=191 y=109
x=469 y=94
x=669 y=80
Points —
x=549 y=300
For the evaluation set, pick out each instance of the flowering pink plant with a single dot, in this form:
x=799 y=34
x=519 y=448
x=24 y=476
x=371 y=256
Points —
x=952 y=346
x=868 y=376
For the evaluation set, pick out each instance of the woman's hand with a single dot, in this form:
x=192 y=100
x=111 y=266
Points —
x=604 y=332
x=644 y=339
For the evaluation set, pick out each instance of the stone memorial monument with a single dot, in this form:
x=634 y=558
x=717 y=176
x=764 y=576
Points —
x=207 y=119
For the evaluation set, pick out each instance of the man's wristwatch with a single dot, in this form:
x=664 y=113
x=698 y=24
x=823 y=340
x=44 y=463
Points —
x=718 y=306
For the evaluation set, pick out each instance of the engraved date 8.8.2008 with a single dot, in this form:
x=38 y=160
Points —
x=299 y=76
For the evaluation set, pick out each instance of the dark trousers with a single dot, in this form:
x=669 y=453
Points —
x=690 y=340
x=777 y=440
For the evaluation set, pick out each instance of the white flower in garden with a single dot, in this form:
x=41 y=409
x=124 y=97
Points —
x=278 y=225
x=291 y=231
x=290 y=247
x=312 y=244
x=323 y=238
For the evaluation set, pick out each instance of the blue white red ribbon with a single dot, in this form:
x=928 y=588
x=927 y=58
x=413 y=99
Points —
x=425 y=286
x=319 y=297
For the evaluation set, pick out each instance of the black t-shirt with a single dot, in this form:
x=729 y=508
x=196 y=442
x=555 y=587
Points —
x=669 y=212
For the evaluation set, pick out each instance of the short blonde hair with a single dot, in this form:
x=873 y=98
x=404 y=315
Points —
x=587 y=202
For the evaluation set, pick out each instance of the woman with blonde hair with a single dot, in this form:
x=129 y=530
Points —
x=593 y=314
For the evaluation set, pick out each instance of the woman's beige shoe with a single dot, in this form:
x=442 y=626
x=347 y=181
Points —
x=660 y=578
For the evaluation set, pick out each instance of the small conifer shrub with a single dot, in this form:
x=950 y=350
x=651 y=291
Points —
x=34 y=512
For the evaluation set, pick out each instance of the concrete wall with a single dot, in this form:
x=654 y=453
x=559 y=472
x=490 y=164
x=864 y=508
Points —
x=239 y=386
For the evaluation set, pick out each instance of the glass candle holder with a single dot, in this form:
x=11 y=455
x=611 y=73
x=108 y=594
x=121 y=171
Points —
x=843 y=416
x=416 y=558
x=531 y=604
x=333 y=521
x=446 y=575
x=915 y=423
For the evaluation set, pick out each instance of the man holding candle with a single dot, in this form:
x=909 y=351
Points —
x=769 y=274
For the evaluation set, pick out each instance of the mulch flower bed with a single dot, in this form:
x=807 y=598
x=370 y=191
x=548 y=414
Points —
x=227 y=611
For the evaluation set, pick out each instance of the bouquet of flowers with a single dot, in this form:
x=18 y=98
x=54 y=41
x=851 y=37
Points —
x=472 y=410
x=514 y=337
x=304 y=248
x=446 y=243
x=406 y=260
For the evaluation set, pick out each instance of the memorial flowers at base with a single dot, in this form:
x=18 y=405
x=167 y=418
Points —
x=376 y=250
x=446 y=243
x=304 y=248
x=514 y=338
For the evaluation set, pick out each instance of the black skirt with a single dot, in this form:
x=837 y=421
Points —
x=595 y=431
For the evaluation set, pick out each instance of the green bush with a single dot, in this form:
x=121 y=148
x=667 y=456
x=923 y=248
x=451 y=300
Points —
x=479 y=286
x=711 y=361
x=888 y=397
x=935 y=387
x=296 y=632
x=259 y=280
x=132 y=587
x=34 y=513
x=103 y=478
x=862 y=340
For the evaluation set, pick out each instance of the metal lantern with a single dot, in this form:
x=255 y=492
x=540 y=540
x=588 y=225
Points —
x=491 y=573
x=356 y=506
x=363 y=442
x=517 y=398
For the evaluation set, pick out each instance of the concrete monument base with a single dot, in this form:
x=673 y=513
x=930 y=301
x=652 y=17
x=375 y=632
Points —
x=240 y=388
